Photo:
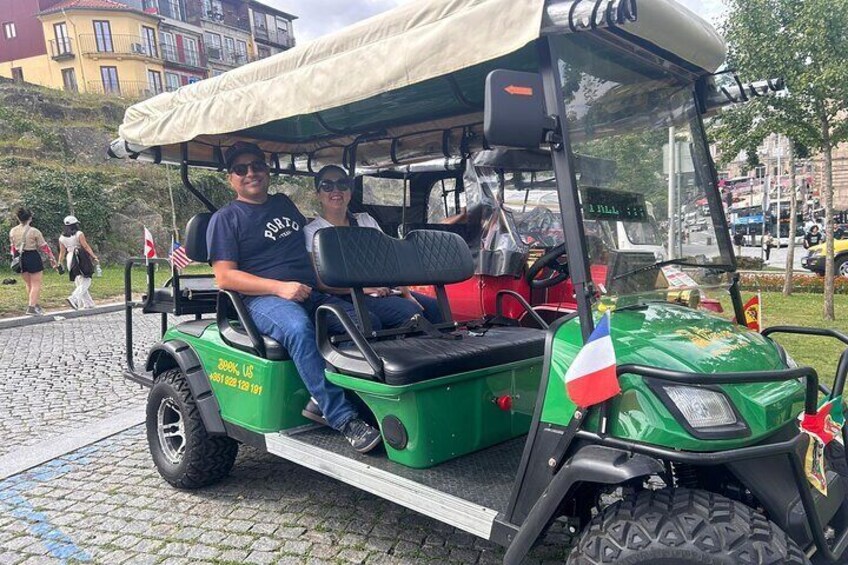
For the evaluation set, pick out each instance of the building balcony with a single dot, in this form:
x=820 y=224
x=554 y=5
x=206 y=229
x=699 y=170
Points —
x=221 y=56
x=117 y=45
x=276 y=38
x=183 y=57
x=227 y=19
x=62 y=49
x=172 y=9
x=130 y=89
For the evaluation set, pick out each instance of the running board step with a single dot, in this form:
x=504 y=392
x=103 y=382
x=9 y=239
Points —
x=446 y=508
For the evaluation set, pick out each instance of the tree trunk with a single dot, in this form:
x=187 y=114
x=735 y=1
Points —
x=793 y=205
x=828 y=313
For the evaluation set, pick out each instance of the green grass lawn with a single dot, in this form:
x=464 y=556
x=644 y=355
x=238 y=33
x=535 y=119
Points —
x=56 y=287
x=805 y=310
x=797 y=310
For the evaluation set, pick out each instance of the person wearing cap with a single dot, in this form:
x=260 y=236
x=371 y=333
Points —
x=74 y=248
x=26 y=241
x=257 y=247
x=394 y=307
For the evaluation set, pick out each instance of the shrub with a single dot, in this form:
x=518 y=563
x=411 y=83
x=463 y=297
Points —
x=773 y=282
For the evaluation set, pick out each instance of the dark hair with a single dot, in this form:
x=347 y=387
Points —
x=70 y=230
x=23 y=215
x=242 y=148
x=319 y=176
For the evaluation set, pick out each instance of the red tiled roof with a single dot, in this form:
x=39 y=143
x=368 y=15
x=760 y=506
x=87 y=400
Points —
x=88 y=4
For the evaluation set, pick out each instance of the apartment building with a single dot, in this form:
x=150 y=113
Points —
x=180 y=40
x=272 y=29
x=135 y=48
x=100 y=46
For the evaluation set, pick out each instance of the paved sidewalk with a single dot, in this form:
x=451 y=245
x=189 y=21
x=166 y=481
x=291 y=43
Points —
x=107 y=504
x=58 y=377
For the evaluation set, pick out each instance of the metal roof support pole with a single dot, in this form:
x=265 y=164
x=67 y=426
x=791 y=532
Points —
x=569 y=198
x=187 y=182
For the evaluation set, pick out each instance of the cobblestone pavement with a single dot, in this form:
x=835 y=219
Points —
x=107 y=504
x=62 y=374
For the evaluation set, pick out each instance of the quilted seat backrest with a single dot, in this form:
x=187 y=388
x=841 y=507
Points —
x=358 y=257
x=195 y=237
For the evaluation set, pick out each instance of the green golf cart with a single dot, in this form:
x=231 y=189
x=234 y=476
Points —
x=699 y=459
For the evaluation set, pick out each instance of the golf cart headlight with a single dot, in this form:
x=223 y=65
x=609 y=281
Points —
x=702 y=408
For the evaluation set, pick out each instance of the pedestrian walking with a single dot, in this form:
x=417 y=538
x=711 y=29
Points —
x=26 y=243
x=768 y=243
x=74 y=248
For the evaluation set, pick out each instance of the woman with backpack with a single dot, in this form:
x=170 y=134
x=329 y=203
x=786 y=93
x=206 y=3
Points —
x=80 y=259
x=26 y=242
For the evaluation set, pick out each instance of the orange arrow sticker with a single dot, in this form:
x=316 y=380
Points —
x=519 y=90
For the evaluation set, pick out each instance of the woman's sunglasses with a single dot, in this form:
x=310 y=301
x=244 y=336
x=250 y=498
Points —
x=342 y=185
x=257 y=166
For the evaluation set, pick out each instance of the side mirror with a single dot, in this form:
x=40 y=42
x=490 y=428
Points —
x=515 y=114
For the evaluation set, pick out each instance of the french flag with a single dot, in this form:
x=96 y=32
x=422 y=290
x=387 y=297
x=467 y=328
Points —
x=591 y=378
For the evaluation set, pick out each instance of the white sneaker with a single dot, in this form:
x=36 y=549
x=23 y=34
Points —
x=72 y=303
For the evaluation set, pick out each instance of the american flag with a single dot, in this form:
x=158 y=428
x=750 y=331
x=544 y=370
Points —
x=178 y=256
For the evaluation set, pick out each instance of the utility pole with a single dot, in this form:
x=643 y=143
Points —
x=779 y=174
x=672 y=159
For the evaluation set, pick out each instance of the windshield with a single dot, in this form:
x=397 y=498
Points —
x=643 y=170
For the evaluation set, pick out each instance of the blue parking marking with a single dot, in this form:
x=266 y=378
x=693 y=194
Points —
x=12 y=500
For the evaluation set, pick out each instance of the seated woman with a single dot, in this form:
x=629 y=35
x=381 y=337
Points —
x=392 y=307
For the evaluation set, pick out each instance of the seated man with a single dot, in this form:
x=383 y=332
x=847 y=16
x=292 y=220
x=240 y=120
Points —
x=334 y=191
x=257 y=248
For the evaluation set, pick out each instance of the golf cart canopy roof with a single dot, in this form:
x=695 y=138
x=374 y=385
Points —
x=416 y=70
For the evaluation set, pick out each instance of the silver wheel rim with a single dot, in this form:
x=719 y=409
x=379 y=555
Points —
x=843 y=269
x=169 y=425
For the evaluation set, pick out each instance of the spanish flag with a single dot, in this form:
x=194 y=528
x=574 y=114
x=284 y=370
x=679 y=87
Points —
x=753 y=315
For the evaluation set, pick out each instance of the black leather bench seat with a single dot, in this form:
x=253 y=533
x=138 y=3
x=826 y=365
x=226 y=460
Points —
x=415 y=359
x=188 y=287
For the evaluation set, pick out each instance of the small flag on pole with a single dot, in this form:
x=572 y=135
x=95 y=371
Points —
x=752 y=313
x=149 y=247
x=823 y=427
x=591 y=378
x=178 y=257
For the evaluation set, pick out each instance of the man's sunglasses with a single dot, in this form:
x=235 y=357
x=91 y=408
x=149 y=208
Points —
x=257 y=166
x=342 y=185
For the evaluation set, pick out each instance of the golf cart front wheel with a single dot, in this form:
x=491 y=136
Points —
x=683 y=527
x=184 y=453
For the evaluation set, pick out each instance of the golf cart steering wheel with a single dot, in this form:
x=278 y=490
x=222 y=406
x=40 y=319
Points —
x=549 y=260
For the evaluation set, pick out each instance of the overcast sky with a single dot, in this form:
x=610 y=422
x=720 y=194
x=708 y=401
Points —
x=317 y=17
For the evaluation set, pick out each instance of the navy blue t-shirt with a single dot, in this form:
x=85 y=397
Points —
x=265 y=240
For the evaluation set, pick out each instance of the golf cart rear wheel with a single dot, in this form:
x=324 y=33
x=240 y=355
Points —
x=185 y=455
x=682 y=527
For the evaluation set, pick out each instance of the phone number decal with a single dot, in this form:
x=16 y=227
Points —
x=229 y=373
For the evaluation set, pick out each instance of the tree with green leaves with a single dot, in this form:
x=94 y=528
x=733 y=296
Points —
x=805 y=43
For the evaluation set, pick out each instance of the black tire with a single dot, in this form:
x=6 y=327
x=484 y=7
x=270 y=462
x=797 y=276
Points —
x=683 y=527
x=840 y=266
x=203 y=459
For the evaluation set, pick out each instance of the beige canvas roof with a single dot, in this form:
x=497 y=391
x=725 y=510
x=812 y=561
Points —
x=403 y=47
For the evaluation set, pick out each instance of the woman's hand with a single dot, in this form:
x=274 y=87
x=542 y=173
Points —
x=377 y=291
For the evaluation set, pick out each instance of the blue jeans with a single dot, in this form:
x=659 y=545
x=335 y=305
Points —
x=290 y=323
x=395 y=311
x=431 y=307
